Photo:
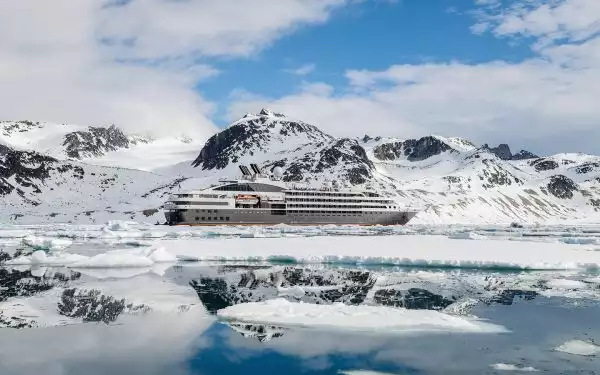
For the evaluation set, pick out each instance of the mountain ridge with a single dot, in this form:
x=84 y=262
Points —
x=455 y=180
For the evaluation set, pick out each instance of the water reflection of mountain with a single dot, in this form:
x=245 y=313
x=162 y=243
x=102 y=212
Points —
x=411 y=289
x=260 y=332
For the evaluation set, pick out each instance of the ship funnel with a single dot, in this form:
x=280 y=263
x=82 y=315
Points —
x=245 y=170
x=255 y=168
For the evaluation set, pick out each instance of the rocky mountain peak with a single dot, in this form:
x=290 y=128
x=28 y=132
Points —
x=268 y=112
x=255 y=135
x=503 y=152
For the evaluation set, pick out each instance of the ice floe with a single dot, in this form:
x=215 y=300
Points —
x=126 y=258
x=40 y=243
x=410 y=250
x=509 y=367
x=362 y=318
x=579 y=347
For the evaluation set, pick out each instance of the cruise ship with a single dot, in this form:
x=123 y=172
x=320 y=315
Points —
x=259 y=199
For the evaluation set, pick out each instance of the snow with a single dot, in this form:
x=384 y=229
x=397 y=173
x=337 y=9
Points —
x=408 y=250
x=579 y=347
x=509 y=367
x=362 y=318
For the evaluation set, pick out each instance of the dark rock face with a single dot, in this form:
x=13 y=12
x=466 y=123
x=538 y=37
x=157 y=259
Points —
x=503 y=152
x=562 y=187
x=94 y=142
x=524 y=155
x=587 y=167
x=93 y=306
x=541 y=165
x=412 y=149
x=344 y=152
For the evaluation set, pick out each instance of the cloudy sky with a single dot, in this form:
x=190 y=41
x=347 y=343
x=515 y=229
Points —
x=525 y=72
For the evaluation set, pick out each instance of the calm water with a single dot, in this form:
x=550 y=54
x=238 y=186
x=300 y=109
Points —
x=155 y=321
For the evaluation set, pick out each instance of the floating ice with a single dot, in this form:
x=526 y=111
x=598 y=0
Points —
x=108 y=260
x=467 y=236
x=578 y=240
x=118 y=225
x=280 y=312
x=160 y=255
x=509 y=367
x=127 y=258
x=566 y=284
x=579 y=347
x=410 y=250
x=41 y=258
x=46 y=243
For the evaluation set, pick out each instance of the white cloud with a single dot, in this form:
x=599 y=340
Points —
x=135 y=63
x=550 y=21
x=547 y=103
x=302 y=70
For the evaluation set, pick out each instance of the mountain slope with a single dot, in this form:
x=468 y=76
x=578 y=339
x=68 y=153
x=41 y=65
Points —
x=38 y=188
x=108 y=146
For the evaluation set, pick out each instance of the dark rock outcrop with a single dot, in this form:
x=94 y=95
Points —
x=503 y=152
x=562 y=187
x=411 y=149
x=524 y=155
x=95 y=142
x=542 y=165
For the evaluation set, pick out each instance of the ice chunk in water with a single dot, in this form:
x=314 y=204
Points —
x=579 y=347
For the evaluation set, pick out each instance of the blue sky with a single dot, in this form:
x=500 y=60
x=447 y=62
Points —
x=367 y=35
x=523 y=72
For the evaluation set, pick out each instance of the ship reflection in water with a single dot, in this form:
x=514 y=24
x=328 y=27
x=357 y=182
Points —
x=98 y=332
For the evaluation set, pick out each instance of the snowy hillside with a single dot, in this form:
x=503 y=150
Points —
x=108 y=146
x=39 y=188
x=62 y=170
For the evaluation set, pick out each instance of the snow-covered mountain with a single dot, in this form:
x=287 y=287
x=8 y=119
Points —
x=452 y=179
x=108 y=146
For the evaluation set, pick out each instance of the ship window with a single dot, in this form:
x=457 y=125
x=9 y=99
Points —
x=235 y=187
